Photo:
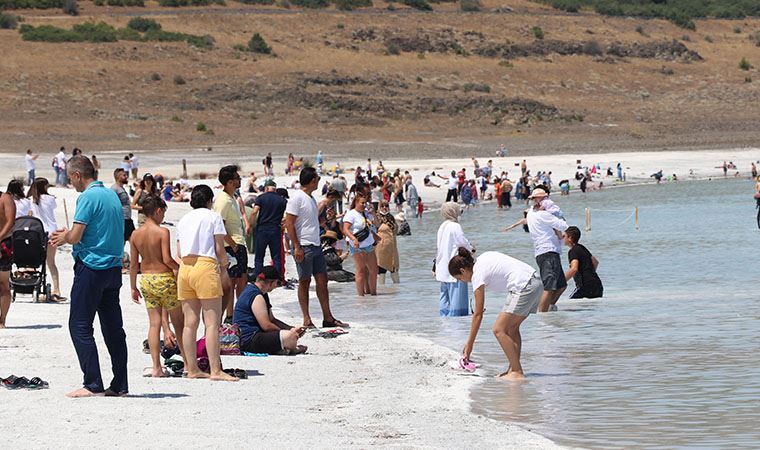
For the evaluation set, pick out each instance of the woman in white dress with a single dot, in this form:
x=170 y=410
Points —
x=42 y=206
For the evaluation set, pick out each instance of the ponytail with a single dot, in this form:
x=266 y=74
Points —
x=462 y=260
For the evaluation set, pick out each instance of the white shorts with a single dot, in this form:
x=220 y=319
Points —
x=525 y=302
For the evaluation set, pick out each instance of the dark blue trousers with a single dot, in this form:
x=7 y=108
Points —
x=271 y=239
x=97 y=291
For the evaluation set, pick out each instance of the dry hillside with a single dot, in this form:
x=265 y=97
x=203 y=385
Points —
x=592 y=83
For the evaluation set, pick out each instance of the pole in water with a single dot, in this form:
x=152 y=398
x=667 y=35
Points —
x=588 y=220
x=637 y=217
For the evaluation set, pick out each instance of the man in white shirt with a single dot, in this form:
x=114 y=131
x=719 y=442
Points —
x=452 y=183
x=133 y=165
x=546 y=231
x=302 y=224
x=31 y=165
x=60 y=167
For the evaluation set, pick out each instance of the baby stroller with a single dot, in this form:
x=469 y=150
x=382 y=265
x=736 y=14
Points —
x=29 y=242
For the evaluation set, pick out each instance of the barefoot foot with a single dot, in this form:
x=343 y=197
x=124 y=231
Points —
x=221 y=376
x=512 y=376
x=84 y=393
x=198 y=375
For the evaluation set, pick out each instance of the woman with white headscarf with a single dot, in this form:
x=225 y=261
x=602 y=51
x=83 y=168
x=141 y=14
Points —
x=454 y=295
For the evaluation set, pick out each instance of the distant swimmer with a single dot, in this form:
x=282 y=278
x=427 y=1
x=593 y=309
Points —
x=582 y=267
x=500 y=273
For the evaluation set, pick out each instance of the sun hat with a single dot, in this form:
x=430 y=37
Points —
x=538 y=192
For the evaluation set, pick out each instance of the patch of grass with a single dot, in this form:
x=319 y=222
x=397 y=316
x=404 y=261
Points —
x=143 y=24
x=755 y=37
x=257 y=44
x=155 y=76
x=686 y=38
x=419 y=79
x=71 y=7
x=200 y=126
x=470 y=5
x=745 y=65
x=119 y=2
x=350 y=5
x=507 y=64
x=103 y=32
x=311 y=4
x=340 y=26
x=181 y=3
x=391 y=48
x=538 y=33
x=256 y=2
x=179 y=80
x=8 y=21
x=421 y=5
x=748 y=79
x=177 y=119
x=477 y=87
x=566 y=5
x=709 y=39
x=738 y=30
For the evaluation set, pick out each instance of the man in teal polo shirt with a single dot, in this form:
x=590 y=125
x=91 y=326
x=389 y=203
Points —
x=97 y=237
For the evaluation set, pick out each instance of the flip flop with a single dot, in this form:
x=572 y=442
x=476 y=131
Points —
x=18 y=383
x=9 y=380
x=237 y=373
x=37 y=383
x=467 y=365
x=334 y=323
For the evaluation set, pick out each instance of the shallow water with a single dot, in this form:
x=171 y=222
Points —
x=669 y=358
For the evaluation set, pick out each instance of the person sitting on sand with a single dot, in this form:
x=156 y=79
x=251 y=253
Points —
x=260 y=330
x=202 y=273
x=582 y=267
x=152 y=257
x=501 y=273
x=429 y=183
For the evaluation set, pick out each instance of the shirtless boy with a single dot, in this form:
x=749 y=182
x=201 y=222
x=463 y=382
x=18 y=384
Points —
x=7 y=218
x=151 y=255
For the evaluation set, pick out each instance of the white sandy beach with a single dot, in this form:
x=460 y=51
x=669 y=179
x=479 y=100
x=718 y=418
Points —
x=370 y=387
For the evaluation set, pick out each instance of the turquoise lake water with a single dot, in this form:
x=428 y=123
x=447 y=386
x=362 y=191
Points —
x=668 y=359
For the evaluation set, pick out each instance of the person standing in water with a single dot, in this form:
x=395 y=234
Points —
x=545 y=231
x=453 y=293
x=582 y=267
x=499 y=273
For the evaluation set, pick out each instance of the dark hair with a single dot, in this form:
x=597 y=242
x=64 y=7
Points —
x=282 y=192
x=153 y=187
x=332 y=193
x=268 y=273
x=83 y=165
x=228 y=173
x=151 y=204
x=574 y=233
x=462 y=260
x=308 y=174
x=200 y=196
x=16 y=189
x=117 y=172
x=38 y=188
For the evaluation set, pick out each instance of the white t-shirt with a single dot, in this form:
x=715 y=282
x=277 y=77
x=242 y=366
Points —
x=196 y=231
x=500 y=273
x=45 y=211
x=453 y=183
x=358 y=222
x=541 y=225
x=133 y=162
x=30 y=163
x=60 y=160
x=23 y=207
x=304 y=207
x=450 y=238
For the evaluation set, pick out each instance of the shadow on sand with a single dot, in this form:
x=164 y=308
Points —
x=37 y=327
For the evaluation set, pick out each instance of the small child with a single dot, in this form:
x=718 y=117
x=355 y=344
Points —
x=152 y=257
x=420 y=207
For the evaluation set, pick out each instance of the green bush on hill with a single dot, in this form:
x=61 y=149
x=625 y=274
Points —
x=119 y=2
x=311 y=4
x=8 y=21
x=31 y=4
x=180 y=3
x=680 y=12
x=350 y=5
x=257 y=44
x=103 y=32
x=256 y=2
x=143 y=24
x=421 y=5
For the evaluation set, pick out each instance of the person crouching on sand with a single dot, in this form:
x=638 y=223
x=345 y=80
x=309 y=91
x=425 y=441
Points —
x=501 y=273
x=260 y=330
x=200 y=235
x=152 y=257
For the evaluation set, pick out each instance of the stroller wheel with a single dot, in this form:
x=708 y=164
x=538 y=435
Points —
x=48 y=290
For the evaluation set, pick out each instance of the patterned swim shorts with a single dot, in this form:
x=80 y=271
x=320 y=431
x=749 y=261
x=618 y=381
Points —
x=159 y=290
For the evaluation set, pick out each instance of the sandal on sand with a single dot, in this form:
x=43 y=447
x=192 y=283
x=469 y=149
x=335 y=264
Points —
x=334 y=323
x=37 y=383
x=467 y=365
x=17 y=383
x=237 y=373
x=55 y=298
x=9 y=380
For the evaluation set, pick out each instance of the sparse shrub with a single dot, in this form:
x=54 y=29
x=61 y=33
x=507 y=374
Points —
x=179 y=80
x=284 y=4
x=350 y=5
x=200 y=126
x=180 y=3
x=470 y=5
x=143 y=24
x=640 y=30
x=311 y=4
x=737 y=30
x=419 y=79
x=680 y=19
x=592 y=48
x=31 y=4
x=178 y=119
x=8 y=21
x=421 y=55
x=155 y=76
x=71 y=7
x=686 y=38
x=572 y=6
x=128 y=34
x=748 y=79
x=458 y=49
x=538 y=33
x=240 y=47
x=477 y=87
x=340 y=26
x=667 y=71
x=120 y=2
x=755 y=37
x=745 y=65
x=253 y=116
x=709 y=39
x=507 y=64
x=256 y=2
x=392 y=48
x=421 y=5
x=257 y=44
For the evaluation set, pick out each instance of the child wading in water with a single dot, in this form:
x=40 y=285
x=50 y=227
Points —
x=500 y=273
x=152 y=257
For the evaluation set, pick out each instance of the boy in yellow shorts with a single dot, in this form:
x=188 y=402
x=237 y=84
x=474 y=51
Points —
x=151 y=255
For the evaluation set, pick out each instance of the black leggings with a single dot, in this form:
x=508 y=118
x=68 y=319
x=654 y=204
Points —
x=452 y=195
